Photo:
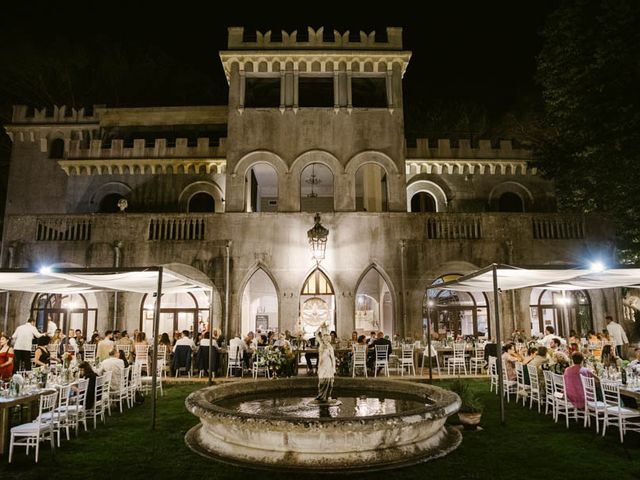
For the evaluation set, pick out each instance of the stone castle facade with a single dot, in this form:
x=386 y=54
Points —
x=313 y=124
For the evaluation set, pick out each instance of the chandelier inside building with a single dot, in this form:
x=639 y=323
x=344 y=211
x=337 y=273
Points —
x=313 y=180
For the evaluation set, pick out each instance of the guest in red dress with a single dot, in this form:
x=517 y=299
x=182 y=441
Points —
x=6 y=358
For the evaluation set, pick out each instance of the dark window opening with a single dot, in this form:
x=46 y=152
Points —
x=315 y=92
x=354 y=35
x=109 y=203
x=510 y=202
x=276 y=35
x=249 y=35
x=202 y=203
x=57 y=148
x=369 y=92
x=262 y=92
x=423 y=202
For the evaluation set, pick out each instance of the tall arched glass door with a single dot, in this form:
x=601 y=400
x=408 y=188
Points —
x=317 y=303
x=455 y=313
x=374 y=308
x=259 y=304
x=178 y=311
x=560 y=310
x=68 y=311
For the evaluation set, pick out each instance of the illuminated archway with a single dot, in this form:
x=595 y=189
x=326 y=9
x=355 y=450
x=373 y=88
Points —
x=456 y=313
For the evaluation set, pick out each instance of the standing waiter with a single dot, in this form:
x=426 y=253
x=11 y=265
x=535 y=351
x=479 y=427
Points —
x=22 y=340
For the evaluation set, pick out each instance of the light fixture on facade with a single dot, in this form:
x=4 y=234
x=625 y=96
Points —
x=318 y=239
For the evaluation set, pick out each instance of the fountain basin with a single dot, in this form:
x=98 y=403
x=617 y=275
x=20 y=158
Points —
x=409 y=430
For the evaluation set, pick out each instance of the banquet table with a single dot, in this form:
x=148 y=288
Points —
x=29 y=400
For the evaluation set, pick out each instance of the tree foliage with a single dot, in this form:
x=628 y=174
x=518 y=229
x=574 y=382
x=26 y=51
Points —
x=589 y=71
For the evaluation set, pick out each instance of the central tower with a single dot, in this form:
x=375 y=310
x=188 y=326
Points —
x=315 y=123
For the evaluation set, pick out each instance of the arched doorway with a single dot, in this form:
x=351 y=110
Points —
x=423 y=202
x=261 y=189
x=455 y=313
x=317 y=303
x=202 y=202
x=57 y=149
x=510 y=202
x=259 y=304
x=371 y=188
x=178 y=311
x=560 y=310
x=374 y=308
x=67 y=311
x=316 y=188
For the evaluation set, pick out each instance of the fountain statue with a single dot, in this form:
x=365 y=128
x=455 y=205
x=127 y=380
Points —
x=326 y=366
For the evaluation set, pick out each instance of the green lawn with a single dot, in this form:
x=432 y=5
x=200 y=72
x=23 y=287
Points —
x=529 y=446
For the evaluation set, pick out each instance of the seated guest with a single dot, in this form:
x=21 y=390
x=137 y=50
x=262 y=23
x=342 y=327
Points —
x=311 y=356
x=572 y=382
x=380 y=340
x=105 y=346
x=42 y=356
x=509 y=359
x=635 y=363
x=549 y=334
x=609 y=357
x=184 y=340
x=114 y=365
x=334 y=337
x=6 y=358
x=87 y=372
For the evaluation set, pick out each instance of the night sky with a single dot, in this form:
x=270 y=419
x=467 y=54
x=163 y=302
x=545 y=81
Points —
x=480 y=52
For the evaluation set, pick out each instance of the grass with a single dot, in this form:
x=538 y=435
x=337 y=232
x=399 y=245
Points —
x=530 y=444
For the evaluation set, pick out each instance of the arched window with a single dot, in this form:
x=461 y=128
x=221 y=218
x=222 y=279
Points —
x=510 y=202
x=178 y=311
x=259 y=304
x=109 y=203
x=316 y=189
x=202 y=202
x=374 y=308
x=57 y=148
x=371 y=189
x=561 y=310
x=261 y=193
x=68 y=311
x=455 y=313
x=423 y=202
x=317 y=303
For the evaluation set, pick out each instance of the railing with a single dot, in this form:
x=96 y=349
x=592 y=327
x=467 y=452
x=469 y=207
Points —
x=176 y=229
x=56 y=230
x=558 y=228
x=446 y=229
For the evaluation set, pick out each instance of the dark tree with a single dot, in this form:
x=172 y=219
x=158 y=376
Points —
x=589 y=71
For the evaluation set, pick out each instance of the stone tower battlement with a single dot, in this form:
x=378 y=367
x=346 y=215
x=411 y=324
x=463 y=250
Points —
x=56 y=114
x=316 y=40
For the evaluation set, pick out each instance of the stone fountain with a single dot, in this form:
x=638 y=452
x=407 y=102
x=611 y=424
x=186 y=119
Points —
x=379 y=424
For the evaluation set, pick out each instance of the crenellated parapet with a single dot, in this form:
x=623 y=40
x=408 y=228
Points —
x=314 y=54
x=156 y=158
x=443 y=158
x=315 y=40
x=157 y=148
x=57 y=114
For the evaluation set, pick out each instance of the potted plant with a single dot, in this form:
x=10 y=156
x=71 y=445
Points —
x=471 y=407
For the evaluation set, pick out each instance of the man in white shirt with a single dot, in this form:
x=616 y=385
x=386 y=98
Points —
x=550 y=334
x=116 y=366
x=22 y=340
x=184 y=340
x=105 y=346
x=617 y=334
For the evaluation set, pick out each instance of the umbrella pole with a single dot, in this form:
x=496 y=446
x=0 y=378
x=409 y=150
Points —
x=154 y=360
x=496 y=301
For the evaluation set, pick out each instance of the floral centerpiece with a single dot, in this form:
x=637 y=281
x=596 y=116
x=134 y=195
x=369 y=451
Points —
x=67 y=357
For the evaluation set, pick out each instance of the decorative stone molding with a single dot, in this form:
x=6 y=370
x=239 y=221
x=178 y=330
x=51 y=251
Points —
x=469 y=167
x=143 y=166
